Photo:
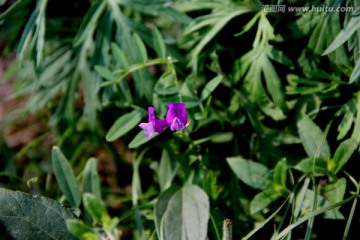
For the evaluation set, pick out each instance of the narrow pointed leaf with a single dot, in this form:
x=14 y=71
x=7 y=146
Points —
x=313 y=139
x=65 y=178
x=159 y=43
x=210 y=87
x=91 y=181
x=124 y=124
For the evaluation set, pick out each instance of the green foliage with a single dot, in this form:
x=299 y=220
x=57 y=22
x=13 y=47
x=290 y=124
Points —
x=20 y=215
x=272 y=100
x=175 y=211
x=66 y=178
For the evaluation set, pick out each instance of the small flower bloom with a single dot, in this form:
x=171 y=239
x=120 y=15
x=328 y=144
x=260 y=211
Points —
x=176 y=117
x=154 y=125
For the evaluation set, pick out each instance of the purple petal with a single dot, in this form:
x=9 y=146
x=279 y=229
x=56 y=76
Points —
x=176 y=117
x=159 y=125
x=148 y=129
x=151 y=112
x=154 y=125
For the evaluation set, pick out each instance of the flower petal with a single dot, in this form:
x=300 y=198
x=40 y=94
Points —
x=159 y=125
x=176 y=117
x=148 y=129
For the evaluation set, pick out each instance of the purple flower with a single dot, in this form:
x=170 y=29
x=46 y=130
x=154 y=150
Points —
x=154 y=125
x=176 y=117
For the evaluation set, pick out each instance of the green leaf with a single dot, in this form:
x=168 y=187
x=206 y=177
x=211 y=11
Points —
x=210 y=185
x=141 y=139
x=252 y=173
x=139 y=48
x=105 y=72
x=278 y=56
x=217 y=27
x=335 y=192
x=166 y=171
x=182 y=214
x=28 y=216
x=263 y=199
x=167 y=84
x=308 y=201
x=316 y=166
x=210 y=87
x=344 y=35
x=120 y=56
x=79 y=229
x=91 y=182
x=65 y=177
x=95 y=207
x=124 y=124
x=159 y=43
x=89 y=21
x=313 y=139
x=280 y=173
x=356 y=131
x=356 y=72
x=273 y=82
x=343 y=154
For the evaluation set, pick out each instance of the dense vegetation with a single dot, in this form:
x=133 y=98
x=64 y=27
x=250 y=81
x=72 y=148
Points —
x=251 y=118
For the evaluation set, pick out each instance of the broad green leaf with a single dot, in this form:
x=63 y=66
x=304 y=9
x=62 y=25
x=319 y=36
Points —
x=65 y=177
x=252 y=173
x=335 y=192
x=139 y=48
x=95 y=207
x=28 y=216
x=141 y=139
x=314 y=166
x=182 y=214
x=263 y=199
x=124 y=124
x=210 y=87
x=79 y=229
x=352 y=26
x=313 y=139
x=280 y=173
x=307 y=203
x=120 y=56
x=159 y=43
x=91 y=181
x=161 y=207
x=89 y=21
x=105 y=72
x=343 y=154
